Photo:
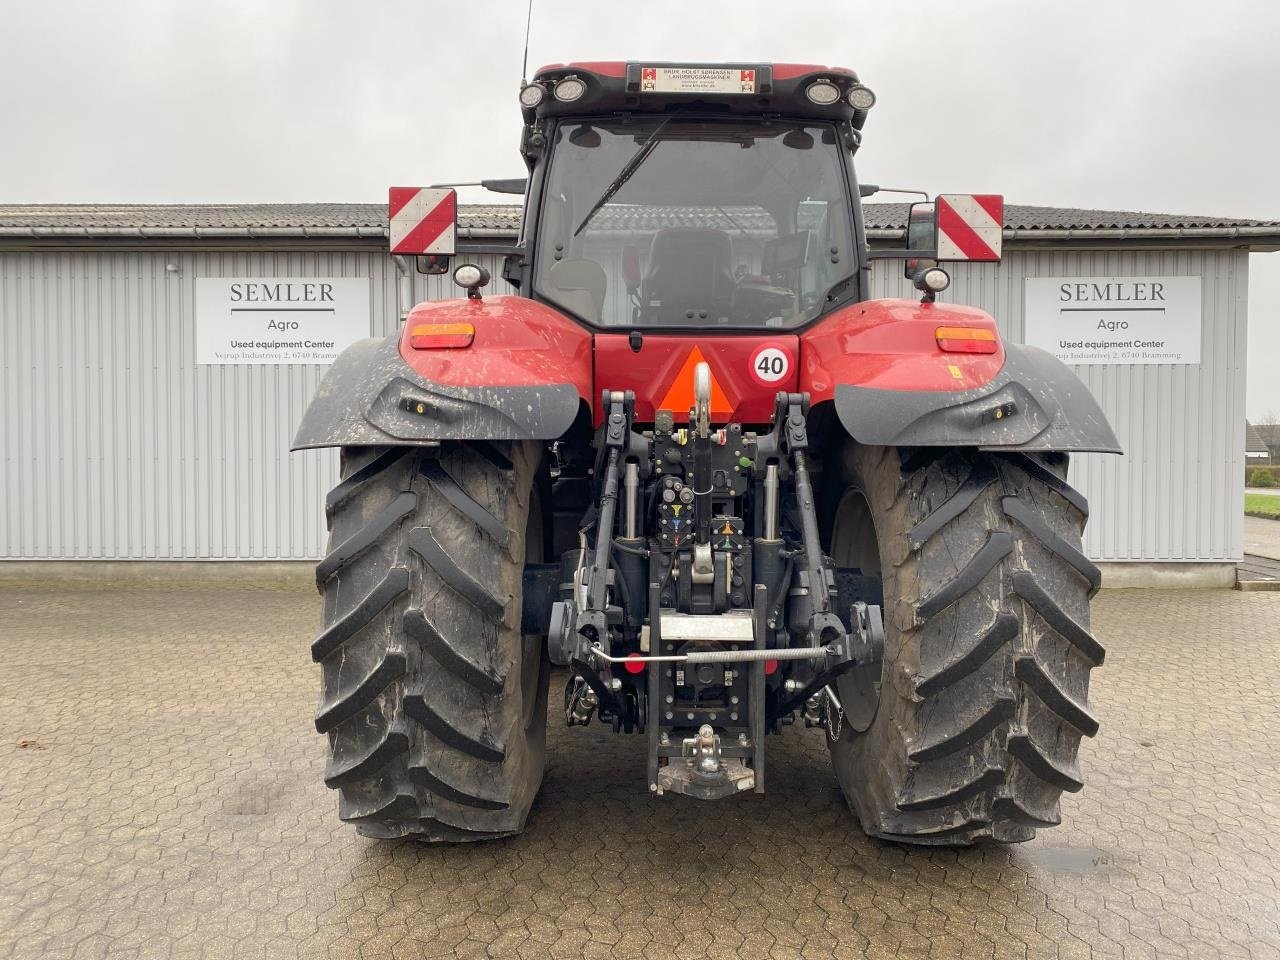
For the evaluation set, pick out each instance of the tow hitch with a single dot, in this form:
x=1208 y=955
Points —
x=699 y=634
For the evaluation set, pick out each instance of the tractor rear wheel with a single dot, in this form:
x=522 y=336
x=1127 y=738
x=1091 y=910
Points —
x=973 y=730
x=434 y=704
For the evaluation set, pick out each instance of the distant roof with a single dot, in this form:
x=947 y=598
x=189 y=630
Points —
x=885 y=221
x=1253 y=441
x=1268 y=433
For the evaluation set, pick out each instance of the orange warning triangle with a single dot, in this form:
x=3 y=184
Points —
x=679 y=397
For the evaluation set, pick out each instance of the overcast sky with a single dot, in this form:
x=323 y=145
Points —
x=1159 y=106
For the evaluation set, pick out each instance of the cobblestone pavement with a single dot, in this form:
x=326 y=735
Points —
x=1262 y=537
x=160 y=795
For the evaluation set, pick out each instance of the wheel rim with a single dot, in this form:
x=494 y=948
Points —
x=854 y=543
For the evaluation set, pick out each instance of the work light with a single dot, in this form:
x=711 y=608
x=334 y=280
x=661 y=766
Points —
x=861 y=98
x=823 y=92
x=570 y=89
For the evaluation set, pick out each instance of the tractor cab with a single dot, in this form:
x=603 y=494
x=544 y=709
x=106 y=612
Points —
x=674 y=197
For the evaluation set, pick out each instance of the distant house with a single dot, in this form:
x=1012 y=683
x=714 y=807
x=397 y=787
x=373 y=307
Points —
x=1268 y=438
x=1255 y=448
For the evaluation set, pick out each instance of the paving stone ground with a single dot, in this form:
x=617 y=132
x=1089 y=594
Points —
x=161 y=796
x=1262 y=537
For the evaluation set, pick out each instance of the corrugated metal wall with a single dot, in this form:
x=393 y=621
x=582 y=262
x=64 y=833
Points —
x=1177 y=493
x=118 y=446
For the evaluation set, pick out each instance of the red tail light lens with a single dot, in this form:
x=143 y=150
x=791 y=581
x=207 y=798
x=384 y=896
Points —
x=966 y=340
x=441 y=336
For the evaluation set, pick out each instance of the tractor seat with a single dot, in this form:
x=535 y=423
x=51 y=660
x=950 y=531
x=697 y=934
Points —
x=690 y=277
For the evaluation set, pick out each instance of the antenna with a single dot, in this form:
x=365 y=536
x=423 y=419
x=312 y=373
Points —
x=524 y=66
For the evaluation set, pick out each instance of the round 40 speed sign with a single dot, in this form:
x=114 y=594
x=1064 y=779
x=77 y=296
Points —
x=771 y=364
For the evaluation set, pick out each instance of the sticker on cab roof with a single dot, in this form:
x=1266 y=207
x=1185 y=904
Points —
x=697 y=80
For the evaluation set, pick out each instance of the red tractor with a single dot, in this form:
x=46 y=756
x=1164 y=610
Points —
x=695 y=462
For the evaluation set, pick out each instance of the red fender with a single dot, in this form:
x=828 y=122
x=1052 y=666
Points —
x=890 y=345
x=893 y=385
x=518 y=343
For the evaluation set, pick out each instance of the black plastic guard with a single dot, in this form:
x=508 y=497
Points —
x=1035 y=402
x=371 y=396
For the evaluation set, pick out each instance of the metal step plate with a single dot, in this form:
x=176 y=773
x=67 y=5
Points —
x=734 y=626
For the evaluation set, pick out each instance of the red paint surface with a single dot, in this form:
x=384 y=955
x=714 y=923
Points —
x=653 y=371
x=887 y=344
x=890 y=345
x=603 y=68
x=397 y=197
x=789 y=71
x=518 y=342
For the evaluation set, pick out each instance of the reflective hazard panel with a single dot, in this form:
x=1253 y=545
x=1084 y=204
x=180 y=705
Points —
x=679 y=395
x=422 y=220
x=970 y=226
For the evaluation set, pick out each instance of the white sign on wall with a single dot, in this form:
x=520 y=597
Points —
x=279 y=319
x=1121 y=320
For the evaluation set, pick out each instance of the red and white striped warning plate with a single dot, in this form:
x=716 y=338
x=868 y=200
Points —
x=970 y=226
x=423 y=220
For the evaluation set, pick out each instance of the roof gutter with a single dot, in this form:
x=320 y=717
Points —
x=202 y=233
x=1263 y=236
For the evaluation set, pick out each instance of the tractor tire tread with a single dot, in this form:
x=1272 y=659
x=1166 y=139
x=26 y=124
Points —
x=424 y=698
x=984 y=696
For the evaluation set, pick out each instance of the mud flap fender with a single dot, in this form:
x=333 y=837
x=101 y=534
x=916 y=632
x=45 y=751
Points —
x=371 y=396
x=1035 y=402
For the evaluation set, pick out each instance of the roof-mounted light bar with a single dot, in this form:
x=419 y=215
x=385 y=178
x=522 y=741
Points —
x=824 y=91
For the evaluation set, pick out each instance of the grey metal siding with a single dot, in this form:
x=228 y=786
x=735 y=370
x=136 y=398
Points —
x=118 y=446
x=1176 y=494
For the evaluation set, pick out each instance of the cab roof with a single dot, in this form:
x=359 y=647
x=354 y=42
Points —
x=739 y=88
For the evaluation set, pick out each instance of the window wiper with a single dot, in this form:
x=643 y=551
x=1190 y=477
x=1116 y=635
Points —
x=624 y=174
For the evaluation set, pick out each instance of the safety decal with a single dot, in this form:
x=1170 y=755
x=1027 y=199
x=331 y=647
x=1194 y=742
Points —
x=422 y=220
x=770 y=364
x=970 y=226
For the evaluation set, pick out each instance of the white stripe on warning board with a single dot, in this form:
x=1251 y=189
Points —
x=410 y=215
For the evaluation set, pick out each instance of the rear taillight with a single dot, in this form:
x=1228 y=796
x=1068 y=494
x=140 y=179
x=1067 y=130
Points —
x=966 y=340
x=441 y=336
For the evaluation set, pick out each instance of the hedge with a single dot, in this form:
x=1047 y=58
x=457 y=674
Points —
x=1251 y=472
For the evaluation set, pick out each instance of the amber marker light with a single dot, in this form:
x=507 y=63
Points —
x=441 y=336
x=966 y=340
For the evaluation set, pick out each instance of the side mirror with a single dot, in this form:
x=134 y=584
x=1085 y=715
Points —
x=922 y=227
x=423 y=221
x=922 y=236
x=431 y=264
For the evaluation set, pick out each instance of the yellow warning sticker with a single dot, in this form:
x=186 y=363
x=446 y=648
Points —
x=955 y=371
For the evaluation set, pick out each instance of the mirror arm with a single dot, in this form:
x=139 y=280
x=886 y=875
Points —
x=896 y=254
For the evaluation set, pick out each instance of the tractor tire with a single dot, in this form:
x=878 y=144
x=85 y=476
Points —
x=434 y=703
x=972 y=730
